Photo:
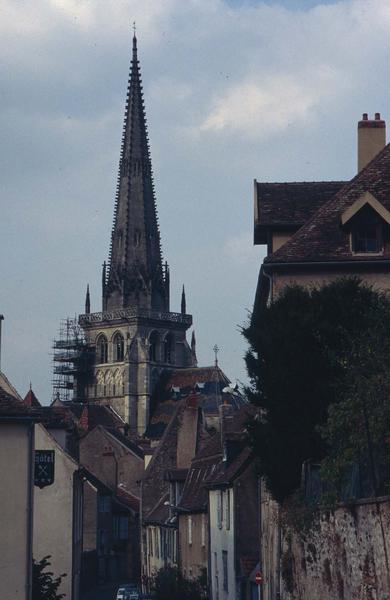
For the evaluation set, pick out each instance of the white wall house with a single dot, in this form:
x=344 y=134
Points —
x=221 y=531
x=16 y=496
x=58 y=517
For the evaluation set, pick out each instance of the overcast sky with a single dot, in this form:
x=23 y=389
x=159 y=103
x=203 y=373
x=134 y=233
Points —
x=234 y=90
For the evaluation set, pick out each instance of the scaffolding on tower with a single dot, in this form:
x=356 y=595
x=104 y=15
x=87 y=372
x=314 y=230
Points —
x=72 y=361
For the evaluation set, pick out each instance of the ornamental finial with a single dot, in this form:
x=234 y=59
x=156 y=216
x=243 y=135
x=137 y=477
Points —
x=216 y=350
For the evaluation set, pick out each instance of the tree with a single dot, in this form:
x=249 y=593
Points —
x=308 y=351
x=169 y=584
x=44 y=584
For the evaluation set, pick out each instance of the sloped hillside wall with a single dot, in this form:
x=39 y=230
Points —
x=346 y=557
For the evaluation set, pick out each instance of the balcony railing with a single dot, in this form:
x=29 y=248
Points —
x=134 y=313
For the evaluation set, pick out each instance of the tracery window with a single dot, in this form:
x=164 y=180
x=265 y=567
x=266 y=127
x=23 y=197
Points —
x=168 y=348
x=102 y=349
x=154 y=341
x=119 y=347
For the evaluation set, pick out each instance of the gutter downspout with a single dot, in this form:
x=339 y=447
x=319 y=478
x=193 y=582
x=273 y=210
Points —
x=30 y=507
x=271 y=289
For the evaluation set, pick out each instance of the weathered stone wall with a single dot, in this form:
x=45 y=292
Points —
x=345 y=557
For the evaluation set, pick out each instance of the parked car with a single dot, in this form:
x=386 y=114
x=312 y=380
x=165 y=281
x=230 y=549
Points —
x=128 y=591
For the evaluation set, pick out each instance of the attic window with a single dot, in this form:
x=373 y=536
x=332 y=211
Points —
x=367 y=231
x=367 y=239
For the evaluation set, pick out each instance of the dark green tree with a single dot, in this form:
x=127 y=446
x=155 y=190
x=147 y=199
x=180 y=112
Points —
x=169 y=584
x=306 y=350
x=44 y=584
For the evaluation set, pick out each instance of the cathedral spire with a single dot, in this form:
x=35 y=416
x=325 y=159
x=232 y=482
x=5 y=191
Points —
x=183 y=302
x=135 y=275
x=87 y=301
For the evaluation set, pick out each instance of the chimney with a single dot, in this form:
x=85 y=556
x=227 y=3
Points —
x=371 y=139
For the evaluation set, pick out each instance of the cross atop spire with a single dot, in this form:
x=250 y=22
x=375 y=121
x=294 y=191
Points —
x=135 y=275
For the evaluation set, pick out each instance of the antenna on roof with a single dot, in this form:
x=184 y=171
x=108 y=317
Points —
x=134 y=28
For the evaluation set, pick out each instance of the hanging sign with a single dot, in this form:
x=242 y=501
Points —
x=44 y=468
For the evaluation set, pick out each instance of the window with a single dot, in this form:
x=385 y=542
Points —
x=153 y=346
x=150 y=542
x=225 y=570
x=367 y=239
x=137 y=238
x=219 y=508
x=227 y=509
x=119 y=347
x=104 y=504
x=367 y=231
x=156 y=532
x=203 y=533
x=168 y=348
x=121 y=527
x=189 y=522
x=102 y=349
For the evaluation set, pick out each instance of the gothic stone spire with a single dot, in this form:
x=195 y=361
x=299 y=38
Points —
x=135 y=274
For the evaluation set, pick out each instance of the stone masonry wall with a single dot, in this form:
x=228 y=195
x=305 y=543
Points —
x=345 y=558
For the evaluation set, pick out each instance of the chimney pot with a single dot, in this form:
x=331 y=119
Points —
x=377 y=116
x=365 y=116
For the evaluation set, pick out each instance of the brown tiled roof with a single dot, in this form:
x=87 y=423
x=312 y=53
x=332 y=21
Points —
x=98 y=414
x=322 y=237
x=57 y=417
x=128 y=498
x=195 y=494
x=226 y=474
x=206 y=383
x=292 y=204
x=160 y=512
x=30 y=399
x=126 y=441
x=11 y=407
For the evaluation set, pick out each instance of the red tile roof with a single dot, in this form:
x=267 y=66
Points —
x=10 y=407
x=290 y=205
x=30 y=399
x=322 y=239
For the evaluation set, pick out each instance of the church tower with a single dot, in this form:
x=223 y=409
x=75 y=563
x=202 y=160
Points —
x=135 y=336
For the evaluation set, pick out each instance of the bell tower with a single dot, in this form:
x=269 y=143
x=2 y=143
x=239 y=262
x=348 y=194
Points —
x=135 y=336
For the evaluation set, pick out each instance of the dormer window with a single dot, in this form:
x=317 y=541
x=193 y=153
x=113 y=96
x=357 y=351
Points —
x=366 y=220
x=367 y=239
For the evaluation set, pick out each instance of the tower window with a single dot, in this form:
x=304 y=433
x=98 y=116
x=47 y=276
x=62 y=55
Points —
x=119 y=347
x=137 y=238
x=102 y=349
x=153 y=346
x=168 y=348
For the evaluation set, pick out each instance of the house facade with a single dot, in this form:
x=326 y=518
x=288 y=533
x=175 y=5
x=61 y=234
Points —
x=17 y=445
x=58 y=516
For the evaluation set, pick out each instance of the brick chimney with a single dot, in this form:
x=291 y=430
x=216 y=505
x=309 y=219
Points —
x=371 y=139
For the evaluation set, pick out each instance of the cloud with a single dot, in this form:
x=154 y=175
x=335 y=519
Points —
x=271 y=105
x=232 y=91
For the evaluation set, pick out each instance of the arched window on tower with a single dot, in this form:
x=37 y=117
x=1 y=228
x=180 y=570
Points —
x=154 y=343
x=119 y=347
x=169 y=348
x=102 y=349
